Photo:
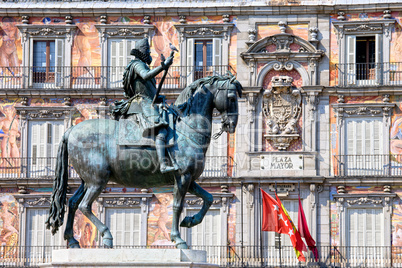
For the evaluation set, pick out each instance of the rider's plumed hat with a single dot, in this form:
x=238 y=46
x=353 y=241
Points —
x=141 y=50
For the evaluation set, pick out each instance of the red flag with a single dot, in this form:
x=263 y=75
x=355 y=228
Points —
x=294 y=234
x=304 y=232
x=273 y=218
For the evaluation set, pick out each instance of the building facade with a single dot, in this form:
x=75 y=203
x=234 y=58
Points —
x=320 y=117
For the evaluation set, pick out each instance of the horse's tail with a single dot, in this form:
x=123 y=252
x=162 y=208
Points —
x=58 y=199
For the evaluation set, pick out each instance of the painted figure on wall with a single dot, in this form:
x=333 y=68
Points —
x=163 y=219
x=84 y=231
x=8 y=49
x=9 y=222
x=9 y=132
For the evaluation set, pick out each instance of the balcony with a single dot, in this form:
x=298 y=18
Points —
x=383 y=165
x=239 y=256
x=368 y=74
x=96 y=77
x=43 y=168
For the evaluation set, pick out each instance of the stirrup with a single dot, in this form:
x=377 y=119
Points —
x=166 y=169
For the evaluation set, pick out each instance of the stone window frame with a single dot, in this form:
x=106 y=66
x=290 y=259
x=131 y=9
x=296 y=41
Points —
x=31 y=33
x=362 y=28
x=359 y=110
x=371 y=200
x=204 y=31
x=135 y=200
x=35 y=113
x=117 y=31
x=343 y=29
x=25 y=202
x=221 y=202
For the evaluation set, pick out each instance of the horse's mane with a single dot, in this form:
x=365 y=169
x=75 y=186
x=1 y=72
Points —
x=185 y=97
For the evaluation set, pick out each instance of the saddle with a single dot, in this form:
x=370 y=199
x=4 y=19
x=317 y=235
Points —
x=133 y=126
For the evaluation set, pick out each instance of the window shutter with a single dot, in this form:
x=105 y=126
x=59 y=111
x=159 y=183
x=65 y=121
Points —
x=217 y=56
x=58 y=131
x=59 y=62
x=124 y=225
x=190 y=61
x=351 y=59
x=378 y=58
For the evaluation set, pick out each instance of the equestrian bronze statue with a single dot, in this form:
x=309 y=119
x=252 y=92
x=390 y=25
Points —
x=146 y=145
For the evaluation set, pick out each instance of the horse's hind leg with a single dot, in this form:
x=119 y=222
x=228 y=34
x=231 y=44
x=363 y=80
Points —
x=179 y=192
x=195 y=189
x=85 y=206
x=72 y=208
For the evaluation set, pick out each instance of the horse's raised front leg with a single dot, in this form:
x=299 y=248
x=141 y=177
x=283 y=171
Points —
x=85 y=206
x=179 y=192
x=72 y=208
x=195 y=189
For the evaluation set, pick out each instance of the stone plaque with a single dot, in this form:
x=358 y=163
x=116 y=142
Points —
x=282 y=162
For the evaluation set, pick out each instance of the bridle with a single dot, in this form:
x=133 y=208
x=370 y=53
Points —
x=225 y=114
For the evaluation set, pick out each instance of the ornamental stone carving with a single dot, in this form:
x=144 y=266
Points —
x=282 y=110
x=123 y=201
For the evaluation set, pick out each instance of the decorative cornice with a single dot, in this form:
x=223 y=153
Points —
x=38 y=112
x=39 y=201
x=282 y=53
x=123 y=202
x=204 y=30
x=113 y=30
x=47 y=29
x=355 y=200
x=369 y=26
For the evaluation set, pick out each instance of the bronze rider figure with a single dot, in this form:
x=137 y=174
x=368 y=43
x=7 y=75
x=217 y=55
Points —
x=140 y=84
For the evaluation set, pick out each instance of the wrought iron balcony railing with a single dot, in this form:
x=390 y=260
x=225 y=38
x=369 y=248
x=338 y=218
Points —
x=44 y=167
x=96 y=77
x=368 y=165
x=239 y=256
x=368 y=74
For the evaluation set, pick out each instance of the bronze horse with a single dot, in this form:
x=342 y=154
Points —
x=96 y=156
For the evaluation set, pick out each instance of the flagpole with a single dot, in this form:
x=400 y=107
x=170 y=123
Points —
x=260 y=220
x=299 y=227
x=278 y=235
x=241 y=212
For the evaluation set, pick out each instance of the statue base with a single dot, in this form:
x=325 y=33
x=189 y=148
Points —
x=149 y=258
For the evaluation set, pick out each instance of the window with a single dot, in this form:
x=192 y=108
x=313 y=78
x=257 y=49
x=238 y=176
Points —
x=204 y=58
x=44 y=139
x=119 y=57
x=365 y=236
x=124 y=224
x=363 y=59
x=207 y=235
x=39 y=240
x=47 y=60
x=292 y=207
x=364 y=146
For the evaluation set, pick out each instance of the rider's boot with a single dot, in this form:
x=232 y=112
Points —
x=160 y=144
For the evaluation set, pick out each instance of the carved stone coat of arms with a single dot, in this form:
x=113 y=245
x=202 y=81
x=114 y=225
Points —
x=282 y=109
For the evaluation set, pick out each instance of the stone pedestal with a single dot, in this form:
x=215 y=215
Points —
x=160 y=258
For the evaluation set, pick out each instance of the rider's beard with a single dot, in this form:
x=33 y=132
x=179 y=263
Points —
x=149 y=60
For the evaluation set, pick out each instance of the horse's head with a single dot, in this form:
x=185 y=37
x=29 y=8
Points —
x=225 y=101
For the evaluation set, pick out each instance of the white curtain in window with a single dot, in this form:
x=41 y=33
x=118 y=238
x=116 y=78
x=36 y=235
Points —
x=125 y=225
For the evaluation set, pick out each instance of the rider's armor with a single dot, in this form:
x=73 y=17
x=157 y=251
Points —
x=140 y=86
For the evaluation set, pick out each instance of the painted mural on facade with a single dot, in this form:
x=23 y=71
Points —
x=10 y=135
x=84 y=230
x=10 y=46
x=9 y=221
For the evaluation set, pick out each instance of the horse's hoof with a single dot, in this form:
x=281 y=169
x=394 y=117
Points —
x=108 y=242
x=74 y=245
x=181 y=245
